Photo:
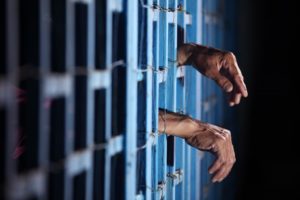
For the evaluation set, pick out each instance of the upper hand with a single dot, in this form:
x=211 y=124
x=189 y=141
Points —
x=221 y=66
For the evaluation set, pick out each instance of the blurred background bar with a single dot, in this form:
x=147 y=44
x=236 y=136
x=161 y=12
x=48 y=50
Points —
x=82 y=82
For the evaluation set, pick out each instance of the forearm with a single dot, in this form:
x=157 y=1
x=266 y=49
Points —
x=189 y=53
x=176 y=124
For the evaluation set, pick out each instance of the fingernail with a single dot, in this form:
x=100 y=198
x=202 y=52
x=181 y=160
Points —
x=231 y=104
x=246 y=93
x=210 y=172
x=214 y=180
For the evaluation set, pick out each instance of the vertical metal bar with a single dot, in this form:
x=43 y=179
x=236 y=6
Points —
x=156 y=95
x=45 y=45
x=189 y=83
x=149 y=98
x=108 y=97
x=198 y=100
x=12 y=59
x=45 y=48
x=179 y=143
x=70 y=63
x=90 y=93
x=181 y=97
x=171 y=85
x=131 y=99
x=163 y=63
x=90 y=66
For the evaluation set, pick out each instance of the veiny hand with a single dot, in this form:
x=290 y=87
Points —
x=203 y=136
x=221 y=66
x=216 y=140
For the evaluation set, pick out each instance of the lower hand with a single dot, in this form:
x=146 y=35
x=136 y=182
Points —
x=216 y=140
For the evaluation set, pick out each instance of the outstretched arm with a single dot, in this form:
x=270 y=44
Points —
x=203 y=136
x=221 y=66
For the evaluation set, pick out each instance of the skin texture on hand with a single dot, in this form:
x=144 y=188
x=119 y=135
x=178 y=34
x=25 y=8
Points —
x=221 y=66
x=203 y=136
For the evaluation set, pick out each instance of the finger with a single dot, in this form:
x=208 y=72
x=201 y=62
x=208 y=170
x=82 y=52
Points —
x=229 y=164
x=218 y=176
x=237 y=98
x=215 y=166
x=231 y=160
x=241 y=85
x=229 y=168
x=230 y=99
x=223 y=82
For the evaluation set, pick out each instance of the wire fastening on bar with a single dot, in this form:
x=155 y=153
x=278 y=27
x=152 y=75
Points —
x=160 y=187
x=151 y=68
x=162 y=9
x=152 y=136
x=163 y=117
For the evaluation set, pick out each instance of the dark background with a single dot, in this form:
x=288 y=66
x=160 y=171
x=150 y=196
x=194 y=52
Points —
x=267 y=146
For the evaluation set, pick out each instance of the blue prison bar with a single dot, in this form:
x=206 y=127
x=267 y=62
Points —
x=100 y=71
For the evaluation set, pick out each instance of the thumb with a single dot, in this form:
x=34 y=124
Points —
x=223 y=82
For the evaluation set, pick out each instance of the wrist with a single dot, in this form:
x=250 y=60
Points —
x=186 y=127
x=184 y=54
x=191 y=124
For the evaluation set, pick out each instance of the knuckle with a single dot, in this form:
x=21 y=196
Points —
x=227 y=135
x=232 y=161
x=229 y=55
x=227 y=132
x=239 y=76
x=209 y=73
x=222 y=160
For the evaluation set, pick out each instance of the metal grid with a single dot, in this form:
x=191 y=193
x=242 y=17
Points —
x=95 y=74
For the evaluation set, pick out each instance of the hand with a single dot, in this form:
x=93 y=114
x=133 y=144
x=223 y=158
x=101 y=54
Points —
x=216 y=140
x=221 y=66
x=203 y=136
